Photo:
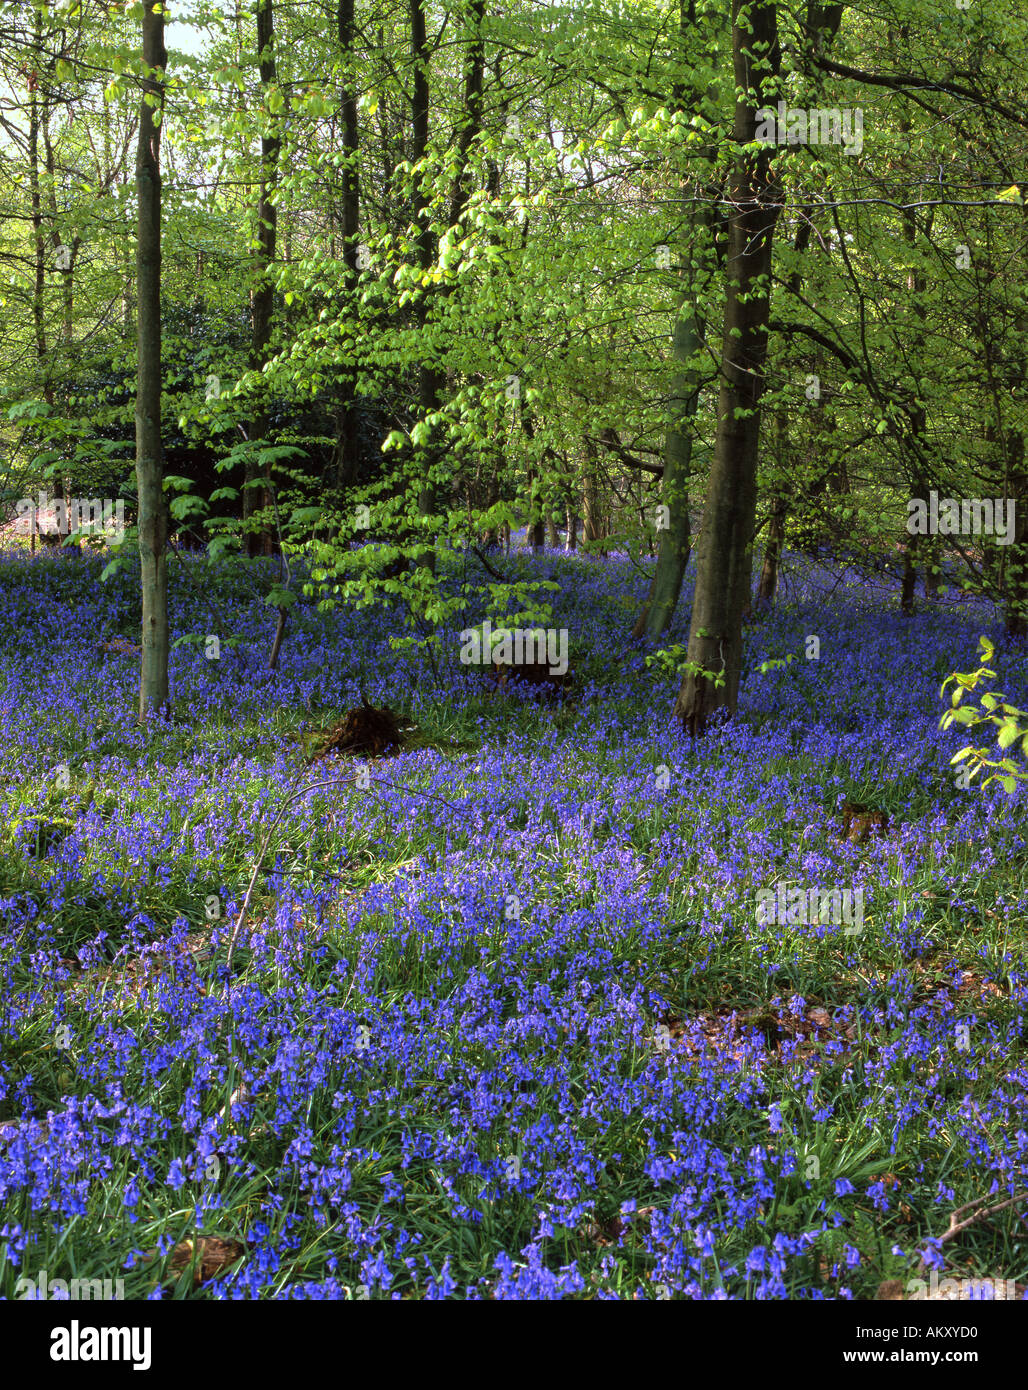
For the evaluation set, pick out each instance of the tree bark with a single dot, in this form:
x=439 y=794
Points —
x=724 y=561
x=592 y=530
x=918 y=424
x=675 y=542
x=474 y=82
x=430 y=379
x=348 y=416
x=1016 y=607
x=767 y=587
x=262 y=303
x=152 y=516
x=39 y=241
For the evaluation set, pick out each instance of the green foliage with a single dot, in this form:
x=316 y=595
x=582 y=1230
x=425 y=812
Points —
x=673 y=661
x=1011 y=723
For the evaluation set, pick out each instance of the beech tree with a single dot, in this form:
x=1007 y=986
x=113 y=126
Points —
x=725 y=563
x=153 y=515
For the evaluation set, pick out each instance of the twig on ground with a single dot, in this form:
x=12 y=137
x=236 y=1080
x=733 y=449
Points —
x=981 y=1214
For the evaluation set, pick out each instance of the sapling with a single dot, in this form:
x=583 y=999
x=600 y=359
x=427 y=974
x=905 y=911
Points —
x=1011 y=722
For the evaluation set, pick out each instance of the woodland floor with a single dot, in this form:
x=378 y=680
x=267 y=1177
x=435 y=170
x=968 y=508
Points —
x=503 y=1023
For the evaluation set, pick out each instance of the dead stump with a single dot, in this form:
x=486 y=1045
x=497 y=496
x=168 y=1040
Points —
x=365 y=731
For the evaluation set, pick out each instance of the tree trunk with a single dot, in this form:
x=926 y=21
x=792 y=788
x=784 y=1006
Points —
x=536 y=523
x=348 y=417
x=724 y=561
x=593 y=525
x=1016 y=614
x=674 y=546
x=128 y=307
x=39 y=242
x=152 y=517
x=474 y=82
x=914 y=547
x=768 y=584
x=262 y=302
x=675 y=539
x=908 y=585
x=429 y=378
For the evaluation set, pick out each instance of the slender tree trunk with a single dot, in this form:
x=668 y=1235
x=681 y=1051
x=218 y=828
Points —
x=915 y=546
x=262 y=302
x=675 y=539
x=128 y=306
x=474 y=82
x=430 y=380
x=153 y=517
x=1016 y=612
x=908 y=583
x=491 y=489
x=280 y=632
x=348 y=416
x=767 y=587
x=767 y=584
x=593 y=526
x=724 y=560
x=536 y=522
x=66 y=263
x=39 y=241
x=911 y=555
x=1016 y=491
x=931 y=576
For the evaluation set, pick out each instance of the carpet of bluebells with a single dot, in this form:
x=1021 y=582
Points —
x=503 y=1022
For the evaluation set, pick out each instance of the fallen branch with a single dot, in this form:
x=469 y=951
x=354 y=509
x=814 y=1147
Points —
x=982 y=1214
